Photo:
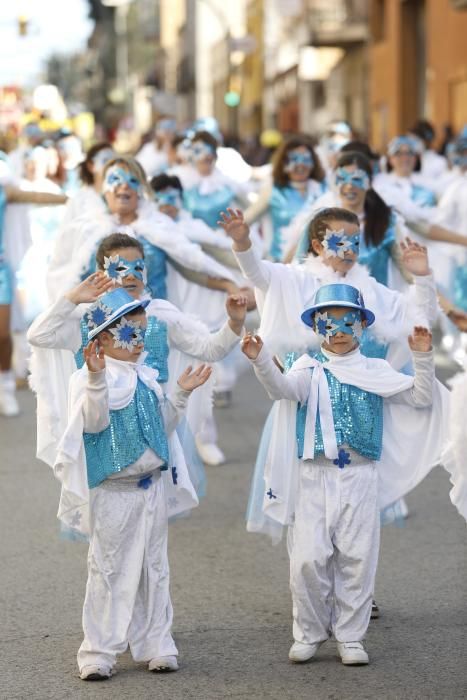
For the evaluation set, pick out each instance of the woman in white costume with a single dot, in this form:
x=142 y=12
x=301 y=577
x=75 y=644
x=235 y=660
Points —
x=298 y=179
x=129 y=210
x=14 y=242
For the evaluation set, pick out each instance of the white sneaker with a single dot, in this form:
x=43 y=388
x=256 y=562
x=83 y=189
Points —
x=210 y=453
x=163 y=664
x=300 y=652
x=95 y=673
x=352 y=653
x=8 y=403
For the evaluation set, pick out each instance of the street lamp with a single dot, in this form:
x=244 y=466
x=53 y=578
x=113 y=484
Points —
x=121 y=8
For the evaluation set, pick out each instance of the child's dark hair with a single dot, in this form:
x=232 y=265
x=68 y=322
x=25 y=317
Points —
x=320 y=222
x=207 y=138
x=114 y=241
x=279 y=175
x=85 y=175
x=162 y=182
x=377 y=212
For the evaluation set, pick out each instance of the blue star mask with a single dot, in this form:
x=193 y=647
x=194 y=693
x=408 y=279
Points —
x=295 y=159
x=117 y=268
x=116 y=176
x=356 y=178
x=337 y=243
x=128 y=334
x=169 y=197
x=327 y=325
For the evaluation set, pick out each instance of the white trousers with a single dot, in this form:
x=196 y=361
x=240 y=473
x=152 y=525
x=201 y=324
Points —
x=333 y=547
x=127 y=594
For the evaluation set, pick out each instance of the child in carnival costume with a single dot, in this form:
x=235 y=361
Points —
x=120 y=468
x=343 y=447
x=58 y=336
x=282 y=291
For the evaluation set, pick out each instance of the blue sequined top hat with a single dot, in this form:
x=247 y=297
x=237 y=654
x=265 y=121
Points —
x=108 y=308
x=337 y=295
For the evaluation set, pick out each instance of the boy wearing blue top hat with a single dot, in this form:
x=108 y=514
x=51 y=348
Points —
x=321 y=477
x=119 y=467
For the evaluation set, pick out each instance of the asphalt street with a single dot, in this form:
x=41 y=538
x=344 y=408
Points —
x=230 y=592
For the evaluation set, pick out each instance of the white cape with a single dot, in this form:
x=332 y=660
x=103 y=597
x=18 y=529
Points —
x=70 y=463
x=413 y=441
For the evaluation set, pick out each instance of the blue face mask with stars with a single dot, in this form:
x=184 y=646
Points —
x=118 y=268
x=116 y=176
x=327 y=325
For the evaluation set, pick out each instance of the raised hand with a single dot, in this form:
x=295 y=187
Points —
x=193 y=378
x=236 y=305
x=94 y=356
x=251 y=346
x=234 y=225
x=421 y=339
x=414 y=257
x=90 y=289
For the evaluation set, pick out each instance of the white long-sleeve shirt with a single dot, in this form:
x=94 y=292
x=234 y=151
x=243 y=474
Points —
x=295 y=386
x=59 y=327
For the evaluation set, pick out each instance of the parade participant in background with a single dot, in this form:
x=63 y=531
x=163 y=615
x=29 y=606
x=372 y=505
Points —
x=180 y=161
x=153 y=155
x=336 y=135
x=403 y=168
x=383 y=226
x=14 y=241
x=89 y=195
x=343 y=447
x=44 y=223
x=452 y=212
x=173 y=339
x=130 y=210
x=298 y=179
x=214 y=191
x=432 y=164
x=206 y=304
x=117 y=445
x=70 y=155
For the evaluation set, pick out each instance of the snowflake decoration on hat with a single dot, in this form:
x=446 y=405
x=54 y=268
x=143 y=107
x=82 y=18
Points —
x=324 y=325
x=97 y=314
x=115 y=268
x=127 y=334
x=336 y=244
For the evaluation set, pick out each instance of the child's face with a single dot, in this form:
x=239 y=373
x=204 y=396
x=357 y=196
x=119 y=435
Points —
x=133 y=282
x=126 y=340
x=340 y=342
x=341 y=262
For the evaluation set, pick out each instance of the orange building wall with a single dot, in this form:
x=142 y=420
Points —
x=446 y=70
x=447 y=64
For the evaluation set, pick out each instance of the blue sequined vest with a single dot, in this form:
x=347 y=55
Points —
x=358 y=418
x=208 y=206
x=155 y=344
x=132 y=430
x=376 y=258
